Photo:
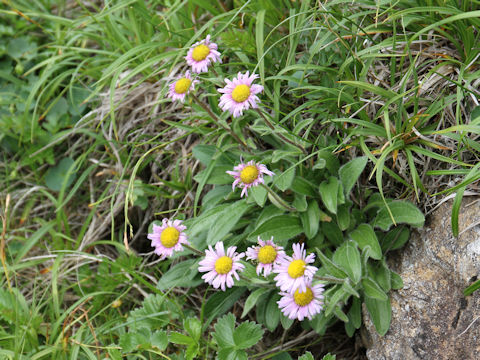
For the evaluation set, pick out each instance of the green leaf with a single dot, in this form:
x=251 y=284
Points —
x=180 y=275
x=334 y=298
x=395 y=238
x=204 y=153
x=343 y=217
x=159 y=339
x=355 y=313
x=232 y=354
x=350 y=172
x=332 y=268
x=333 y=233
x=272 y=313
x=60 y=174
x=285 y=179
x=472 y=288
x=247 y=334
x=226 y=220
x=300 y=202
x=381 y=273
x=193 y=327
x=205 y=221
x=223 y=334
x=403 y=212
x=303 y=186
x=329 y=194
x=282 y=228
x=329 y=357
x=311 y=219
x=373 y=290
x=347 y=257
x=381 y=314
x=286 y=322
x=367 y=241
x=397 y=282
x=259 y=194
x=307 y=356
x=252 y=300
x=179 y=338
x=220 y=302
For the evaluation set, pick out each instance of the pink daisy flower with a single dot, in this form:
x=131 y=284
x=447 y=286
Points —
x=202 y=54
x=181 y=87
x=240 y=94
x=248 y=175
x=221 y=266
x=168 y=237
x=293 y=272
x=301 y=305
x=267 y=254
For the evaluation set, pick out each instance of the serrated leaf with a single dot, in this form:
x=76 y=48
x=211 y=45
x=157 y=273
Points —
x=329 y=194
x=159 y=339
x=193 y=327
x=350 y=172
x=179 y=338
x=307 y=356
x=247 y=334
x=402 y=211
x=367 y=241
x=130 y=341
x=224 y=328
x=232 y=354
x=152 y=314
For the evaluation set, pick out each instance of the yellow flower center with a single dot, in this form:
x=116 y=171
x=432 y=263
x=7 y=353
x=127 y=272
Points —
x=267 y=254
x=304 y=298
x=296 y=268
x=241 y=93
x=249 y=174
x=182 y=85
x=200 y=52
x=223 y=265
x=169 y=237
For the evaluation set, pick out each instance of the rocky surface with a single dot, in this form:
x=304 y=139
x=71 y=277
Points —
x=431 y=319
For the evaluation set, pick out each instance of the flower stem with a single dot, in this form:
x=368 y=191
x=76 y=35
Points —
x=217 y=120
x=270 y=125
x=278 y=198
x=196 y=251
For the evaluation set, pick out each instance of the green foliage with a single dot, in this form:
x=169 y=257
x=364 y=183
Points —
x=339 y=81
x=232 y=340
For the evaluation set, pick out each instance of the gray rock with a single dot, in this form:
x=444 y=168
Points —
x=431 y=319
